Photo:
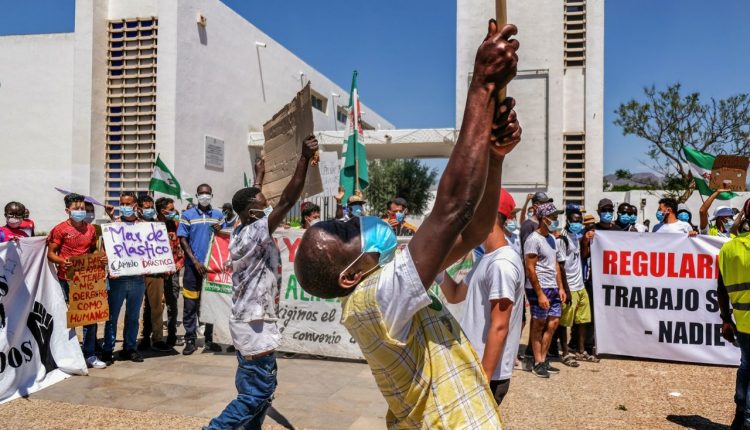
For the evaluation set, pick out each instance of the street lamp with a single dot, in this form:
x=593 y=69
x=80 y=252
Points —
x=259 y=45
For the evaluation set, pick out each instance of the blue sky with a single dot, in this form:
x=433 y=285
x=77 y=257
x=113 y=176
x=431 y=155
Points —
x=405 y=51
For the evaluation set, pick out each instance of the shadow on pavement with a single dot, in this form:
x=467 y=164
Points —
x=280 y=419
x=696 y=422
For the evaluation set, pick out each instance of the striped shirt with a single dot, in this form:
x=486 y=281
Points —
x=197 y=226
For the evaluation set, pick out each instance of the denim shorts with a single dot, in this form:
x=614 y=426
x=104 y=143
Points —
x=555 y=305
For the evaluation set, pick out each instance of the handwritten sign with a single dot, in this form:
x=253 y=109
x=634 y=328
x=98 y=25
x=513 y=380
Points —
x=137 y=248
x=88 y=290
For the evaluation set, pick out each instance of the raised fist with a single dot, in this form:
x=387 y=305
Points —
x=41 y=325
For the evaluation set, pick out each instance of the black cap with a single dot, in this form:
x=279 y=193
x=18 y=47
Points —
x=603 y=203
x=540 y=197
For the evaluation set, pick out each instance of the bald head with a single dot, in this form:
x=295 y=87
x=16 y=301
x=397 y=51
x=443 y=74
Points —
x=326 y=249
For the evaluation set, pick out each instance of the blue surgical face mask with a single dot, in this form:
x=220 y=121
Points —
x=623 y=218
x=400 y=217
x=377 y=236
x=660 y=216
x=511 y=226
x=683 y=216
x=728 y=224
x=633 y=219
x=149 y=213
x=78 y=215
x=575 y=227
x=127 y=211
x=554 y=225
x=174 y=216
x=607 y=217
x=267 y=211
x=357 y=211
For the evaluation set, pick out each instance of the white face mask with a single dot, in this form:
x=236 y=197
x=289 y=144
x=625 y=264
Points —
x=204 y=199
x=13 y=222
x=313 y=222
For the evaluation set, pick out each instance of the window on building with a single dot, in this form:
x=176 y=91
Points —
x=341 y=115
x=367 y=126
x=318 y=101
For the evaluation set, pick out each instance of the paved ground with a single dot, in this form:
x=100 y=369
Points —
x=185 y=392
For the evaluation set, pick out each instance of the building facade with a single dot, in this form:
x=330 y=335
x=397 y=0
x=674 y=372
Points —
x=89 y=111
x=559 y=91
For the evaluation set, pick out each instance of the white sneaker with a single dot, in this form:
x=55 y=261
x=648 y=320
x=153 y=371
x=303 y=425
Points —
x=94 y=362
x=201 y=329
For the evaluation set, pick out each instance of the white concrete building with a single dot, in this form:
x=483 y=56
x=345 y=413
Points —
x=559 y=91
x=90 y=110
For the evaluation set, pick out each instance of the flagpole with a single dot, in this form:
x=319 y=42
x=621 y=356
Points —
x=501 y=17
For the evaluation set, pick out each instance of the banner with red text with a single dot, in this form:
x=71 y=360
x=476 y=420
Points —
x=655 y=297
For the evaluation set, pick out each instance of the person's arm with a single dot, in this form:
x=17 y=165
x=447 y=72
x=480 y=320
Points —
x=725 y=311
x=339 y=208
x=497 y=334
x=189 y=254
x=586 y=243
x=293 y=189
x=525 y=208
x=737 y=223
x=454 y=292
x=703 y=211
x=260 y=172
x=559 y=270
x=531 y=260
x=52 y=250
x=463 y=182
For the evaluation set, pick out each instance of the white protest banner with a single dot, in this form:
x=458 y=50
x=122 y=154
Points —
x=655 y=297
x=330 y=167
x=140 y=248
x=36 y=347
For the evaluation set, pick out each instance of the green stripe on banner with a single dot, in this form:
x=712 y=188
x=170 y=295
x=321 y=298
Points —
x=217 y=288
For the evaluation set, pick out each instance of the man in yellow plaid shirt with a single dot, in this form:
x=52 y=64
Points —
x=423 y=364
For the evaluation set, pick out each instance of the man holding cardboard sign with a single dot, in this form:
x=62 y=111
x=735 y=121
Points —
x=256 y=275
x=69 y=239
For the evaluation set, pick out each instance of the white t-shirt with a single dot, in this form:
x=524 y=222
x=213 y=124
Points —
x=255 y=289
x=675 y=227
x=400 y=294
x=546 y=264
x=570 y=254
x=514 y=240
x=498 y=275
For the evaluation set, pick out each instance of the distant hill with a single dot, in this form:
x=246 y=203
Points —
x=636 y=180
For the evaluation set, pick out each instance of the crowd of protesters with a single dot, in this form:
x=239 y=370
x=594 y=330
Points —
x=434 y=371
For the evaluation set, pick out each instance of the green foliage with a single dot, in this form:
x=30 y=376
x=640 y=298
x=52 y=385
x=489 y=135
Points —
x=671 y=121
x=623 y=174
x=409 y=179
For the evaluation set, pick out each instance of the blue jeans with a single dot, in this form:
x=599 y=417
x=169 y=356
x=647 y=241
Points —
x=255 y=381
x=89 y=331
x=741 y=395
x=130 y=289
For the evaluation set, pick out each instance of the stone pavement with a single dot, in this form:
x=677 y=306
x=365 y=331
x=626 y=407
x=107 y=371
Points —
x=312 y=393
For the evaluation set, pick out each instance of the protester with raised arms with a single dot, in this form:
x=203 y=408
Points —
x=423 y=364
x=256 y=275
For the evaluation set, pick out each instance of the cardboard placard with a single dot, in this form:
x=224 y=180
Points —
x=88 y=290
x=729 y=172
x=140 y=248
x=284 y=135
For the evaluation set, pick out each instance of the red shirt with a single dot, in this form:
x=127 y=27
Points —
x=28 y=226
x=8 y=233
x=72 y=241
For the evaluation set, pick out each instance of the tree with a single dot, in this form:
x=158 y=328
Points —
x=409 y=179
x=623 y=174
x=671 y=121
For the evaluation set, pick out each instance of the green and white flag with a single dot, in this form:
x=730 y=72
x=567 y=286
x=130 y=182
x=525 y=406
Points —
x=163 y=181
x=700 y=165
x=353 y=175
